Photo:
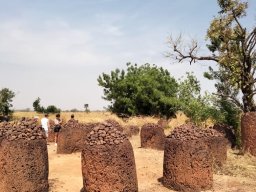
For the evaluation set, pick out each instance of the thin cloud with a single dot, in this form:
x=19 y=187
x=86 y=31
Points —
x=55 y=44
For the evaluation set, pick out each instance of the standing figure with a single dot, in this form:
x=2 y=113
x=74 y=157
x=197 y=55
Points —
x=57 y=128
x=45 y=124
x=6 y=118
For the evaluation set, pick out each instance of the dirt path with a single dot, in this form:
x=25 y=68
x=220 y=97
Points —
x=65 y=172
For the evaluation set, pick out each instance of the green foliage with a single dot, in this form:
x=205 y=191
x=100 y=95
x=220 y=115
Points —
x=52 y=109
x=226 y=100
x=37 y=107
x=229 y=114
x=40 y=109
x=234 y=47
x=227 y=97
x=140 y=90
x=198 y=108
x=6 y=96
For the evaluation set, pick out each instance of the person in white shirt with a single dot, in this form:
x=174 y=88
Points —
x=45 y=124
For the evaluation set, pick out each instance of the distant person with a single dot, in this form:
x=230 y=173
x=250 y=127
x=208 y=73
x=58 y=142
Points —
x=57 y=127
x=36 y=119
x=6 y=118
x=45 y=124
x=72 y=119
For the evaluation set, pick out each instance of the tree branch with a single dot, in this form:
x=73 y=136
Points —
x=253 y=72
x=253 y=93
x=252 y=45
x=232 y=99
x=191 y=55
x=238 y=23
x=249 y=40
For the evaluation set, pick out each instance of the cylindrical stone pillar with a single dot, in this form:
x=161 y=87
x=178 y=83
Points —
x=108 y=162
x=163 y=123
x=72 y=136
x=218 y=147
x=248 y=129
x=24 y=159
x=131 y=130
x=228 y=132
x=187 y=161
x=152 y=136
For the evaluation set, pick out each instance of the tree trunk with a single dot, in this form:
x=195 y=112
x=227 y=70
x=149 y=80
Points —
x=248 y=102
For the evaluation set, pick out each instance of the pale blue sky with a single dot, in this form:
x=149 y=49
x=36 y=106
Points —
x=56 y=49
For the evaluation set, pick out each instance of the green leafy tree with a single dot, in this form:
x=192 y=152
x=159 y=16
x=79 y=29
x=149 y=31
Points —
x=232 y=47
x=195 y=106
x=37 y=107
x=86 y=108
x=140 y=90
x=229 y=109
x=52 y=109
x=40 y=109
x=6 y=96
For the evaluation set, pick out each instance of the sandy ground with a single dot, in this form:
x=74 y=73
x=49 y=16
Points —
x=65 y=172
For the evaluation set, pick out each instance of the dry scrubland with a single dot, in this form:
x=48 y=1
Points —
x=237 y=175
x=102 y=116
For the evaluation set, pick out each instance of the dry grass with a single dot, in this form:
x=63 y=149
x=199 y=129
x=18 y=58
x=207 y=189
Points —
x=102 y=116
x=239 y=165
x=179 y=120
x=91 y=117
x=80 y=116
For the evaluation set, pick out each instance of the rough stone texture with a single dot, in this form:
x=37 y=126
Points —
x=248 y=128
x=188 y=157
x=108 y=162
x=72 y=136
x=23 y=157
x=218 y=144
x=218 y=147
x=106 y=133
x=228 y=133
x=215 y=140
x=163 y=123
x=114 y=124
x=51 y=134
x=152 y=136
x=27 y=129
x=131 y=130
x=187 y=165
